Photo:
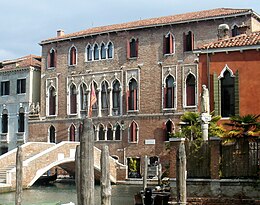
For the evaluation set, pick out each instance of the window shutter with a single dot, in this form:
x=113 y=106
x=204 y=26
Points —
x=164 y=97
x=127 y=49
x=136 y=47
x=171 y=43
x=127 y=100
x=135 y=99
x=164 y=44
x=192 y=41
x=55 y=58
x=237 y=93
x=184 y=42
x=216 y=94
x=48 y=59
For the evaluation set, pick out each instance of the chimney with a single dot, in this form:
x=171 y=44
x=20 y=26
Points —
x=60 y=33
x=223 y=31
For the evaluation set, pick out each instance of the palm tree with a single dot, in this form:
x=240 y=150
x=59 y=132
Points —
x=247 y=126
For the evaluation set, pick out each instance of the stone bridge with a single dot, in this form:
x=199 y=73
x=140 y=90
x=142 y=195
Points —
x=39 y=157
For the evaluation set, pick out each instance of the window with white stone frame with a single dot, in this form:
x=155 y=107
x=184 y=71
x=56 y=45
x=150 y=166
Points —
x=133 y=132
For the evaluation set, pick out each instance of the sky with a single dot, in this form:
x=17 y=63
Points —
x=25 y=23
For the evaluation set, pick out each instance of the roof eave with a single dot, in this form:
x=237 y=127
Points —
x=147 y=26
x=227 y=49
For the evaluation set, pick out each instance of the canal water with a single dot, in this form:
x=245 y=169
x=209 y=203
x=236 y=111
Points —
x=65 y=193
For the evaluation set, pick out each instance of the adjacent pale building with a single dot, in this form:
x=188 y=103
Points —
x=19 y=95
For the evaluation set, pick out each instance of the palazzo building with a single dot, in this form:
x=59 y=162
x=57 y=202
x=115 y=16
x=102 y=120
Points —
x=145 y=76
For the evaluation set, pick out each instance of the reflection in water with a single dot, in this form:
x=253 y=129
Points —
x=65 y=193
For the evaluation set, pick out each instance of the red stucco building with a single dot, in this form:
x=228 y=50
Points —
x=230 y=67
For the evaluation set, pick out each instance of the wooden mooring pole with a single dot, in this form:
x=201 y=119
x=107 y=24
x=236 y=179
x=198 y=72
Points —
x=19 y=176
x=145 y=172
x=105 y=177
x=87 y=164
x=77 y=174
x=181 y=174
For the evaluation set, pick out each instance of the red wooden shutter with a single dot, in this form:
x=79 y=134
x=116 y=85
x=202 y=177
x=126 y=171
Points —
x=171 y=43
x=127 y=100
x=136 y=47
x=48 y=59
x=164 y=44
x=184 y=42
x=192 y=40
x=127 y=49
x=135 y=99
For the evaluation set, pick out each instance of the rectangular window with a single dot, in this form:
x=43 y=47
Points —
x=21 y=86
x=5 y=88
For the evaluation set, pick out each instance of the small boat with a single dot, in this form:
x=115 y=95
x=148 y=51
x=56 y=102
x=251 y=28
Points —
x=45 y=179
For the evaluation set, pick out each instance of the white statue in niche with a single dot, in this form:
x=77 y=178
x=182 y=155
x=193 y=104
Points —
x=205 y=100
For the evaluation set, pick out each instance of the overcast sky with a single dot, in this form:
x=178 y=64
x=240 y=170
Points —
x=24 y=23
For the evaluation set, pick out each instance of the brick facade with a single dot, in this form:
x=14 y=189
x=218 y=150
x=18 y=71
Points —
x=150 y=68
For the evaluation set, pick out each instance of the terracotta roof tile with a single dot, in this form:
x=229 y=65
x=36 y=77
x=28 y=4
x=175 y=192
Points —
x=237 y=41
x=23 y=62
x=179 y=18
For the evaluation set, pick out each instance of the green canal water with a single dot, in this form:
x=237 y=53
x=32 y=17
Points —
x=65 y=193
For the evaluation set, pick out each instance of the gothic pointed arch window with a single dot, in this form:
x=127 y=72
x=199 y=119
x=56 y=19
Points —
x=133 y=132
x=227 y=95
x=52 y=58
x=95 y=105
x=116 y=97
x=104 y=95
x=117 y=131
x=72 y=56
x=169 y=92
x=103 y=51
x=101 y=132
x=168 y=44
x=72 y=133
x=190 y=90
x=83 y=97
x=5 y=121
x=110 y=50
x=169 y=127
x=21 y=124
x=133 y=95
x=132 y=48
x=52 y=134
x=89 y=53
x=188 y=41
x=109 y=132
x=73 y=99
x=52 y=101
x=96 y=52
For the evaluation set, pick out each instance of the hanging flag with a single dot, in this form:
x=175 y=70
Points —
x=93 y=99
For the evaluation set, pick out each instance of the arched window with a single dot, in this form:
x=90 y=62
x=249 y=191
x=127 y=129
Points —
x=190 y=90
x=89 y=53
x=21 y=120
x=52 y=134
x=103 y=51
x=73 y=56
x=104 y=95
x=73 y=99
x=168 y=129
x=169 y=93
x=168 y=44
x=133 y=94
x=133 y=131
x=101 y=133
x=188 y=41
x=52 y=58
x=109 y=132
x=235 y=31
x=110 y=50
x=72 y=133
x=133 y=48
x=96 y=52
x=95 y=105
x=116 y=97
x=52 y=101
x=83 y=97
x=227 y=95
x=5 y=121
x=117 y=132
